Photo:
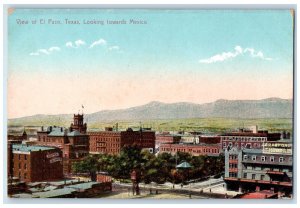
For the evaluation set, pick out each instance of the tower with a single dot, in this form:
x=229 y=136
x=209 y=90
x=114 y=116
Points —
x=78 y=124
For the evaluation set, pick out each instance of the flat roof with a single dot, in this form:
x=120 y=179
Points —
x=54 y=193
x=30 y=148
x=86 y=185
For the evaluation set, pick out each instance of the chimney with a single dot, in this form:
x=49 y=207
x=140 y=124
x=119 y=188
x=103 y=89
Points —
x=61 y=129
x=42 y=128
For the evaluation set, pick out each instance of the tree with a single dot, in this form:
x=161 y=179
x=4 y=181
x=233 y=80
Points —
x=87 y=165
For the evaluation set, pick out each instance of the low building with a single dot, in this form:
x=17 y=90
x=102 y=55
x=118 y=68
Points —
x=17 y=136
x=268 y=168
x=166 y=138
x=193 y=149
x=36 y=163
x=111 y=142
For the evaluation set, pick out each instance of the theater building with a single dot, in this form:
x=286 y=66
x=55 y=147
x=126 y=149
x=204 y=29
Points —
x=111 y=142
x=74 y=142
x=35 y=163
x=267 y=168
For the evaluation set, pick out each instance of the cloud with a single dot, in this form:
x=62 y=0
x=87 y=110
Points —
x=76 y=44
x=238 y=50
x=45 y=51
x=98 y=42
x=114 y=48
x=55 y=48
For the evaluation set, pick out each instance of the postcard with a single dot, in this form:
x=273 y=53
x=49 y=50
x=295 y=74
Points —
x=150 y=103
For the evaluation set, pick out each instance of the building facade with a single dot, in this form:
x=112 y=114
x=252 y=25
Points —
x=74 y=142
x=17 y=136
x=193 y=149
x=251 y=139
x=35 y=163
x=111 y=142
x=267 y=168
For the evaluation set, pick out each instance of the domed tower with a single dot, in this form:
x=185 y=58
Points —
x=78 y=124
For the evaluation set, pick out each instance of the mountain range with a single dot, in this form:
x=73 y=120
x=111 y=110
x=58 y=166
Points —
x=265 y=108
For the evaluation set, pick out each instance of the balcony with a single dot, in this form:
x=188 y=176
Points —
x=275 y=172
x=283 y=183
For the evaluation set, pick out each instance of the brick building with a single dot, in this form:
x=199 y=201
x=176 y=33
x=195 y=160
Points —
x=111 y=142
x=267 y=168
x=193 y=149
x=247 y=139
x=165 y=137
x=35 y=163
x=17 y=136
x=74 y=142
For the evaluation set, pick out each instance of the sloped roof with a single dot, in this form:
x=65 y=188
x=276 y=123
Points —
x=25 y=148
x=74 y=133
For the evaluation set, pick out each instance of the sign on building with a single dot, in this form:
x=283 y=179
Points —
x=277 y=148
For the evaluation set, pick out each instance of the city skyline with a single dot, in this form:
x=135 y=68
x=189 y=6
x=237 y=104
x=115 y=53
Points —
x=178 y=56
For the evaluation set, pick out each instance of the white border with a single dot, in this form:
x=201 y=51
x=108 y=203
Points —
x=162 y=3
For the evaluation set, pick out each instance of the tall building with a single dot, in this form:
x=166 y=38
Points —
x=74 y=142
x=78 y=124
x=111 y=142
x=35 y=163
x=267 y=168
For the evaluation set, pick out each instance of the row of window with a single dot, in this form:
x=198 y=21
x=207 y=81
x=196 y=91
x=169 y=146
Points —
x=107 y=139
x=253 y=176
x=24 y=156
x=233 y=174
x=263 y=158
x=244 y=139
x=24 y=166
x=206 y=150
x=233 y=157
x=233 y=165
x=247 y=145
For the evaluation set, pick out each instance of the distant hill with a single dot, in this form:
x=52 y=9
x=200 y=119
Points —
x=266 y=108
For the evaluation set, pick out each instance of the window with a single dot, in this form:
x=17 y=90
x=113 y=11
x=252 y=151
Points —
x=25 y=175
x=224 y=144
x=263 y=158
x=272 y=159
x=25 y=157
x=25 y=166
x=19 y=165
x=262 y=177
x=253 y=176
x=245 y=157
x=281 y=159
x=245 y=175
x=254 y=157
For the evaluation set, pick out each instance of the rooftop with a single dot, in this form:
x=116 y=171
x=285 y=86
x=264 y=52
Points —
x=74 y=133
x=259 y=195
x=87 y=185
x=29 y=148
x=54 y=193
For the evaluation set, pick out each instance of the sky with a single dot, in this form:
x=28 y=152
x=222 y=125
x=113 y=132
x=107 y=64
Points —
x=194 y=56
